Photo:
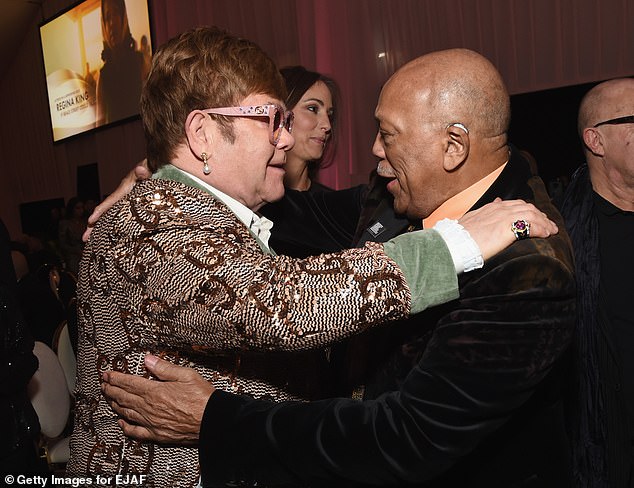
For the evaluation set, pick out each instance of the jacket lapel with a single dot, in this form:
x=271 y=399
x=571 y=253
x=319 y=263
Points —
x=169 y=172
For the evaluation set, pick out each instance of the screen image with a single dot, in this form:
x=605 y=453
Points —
x=96 y=58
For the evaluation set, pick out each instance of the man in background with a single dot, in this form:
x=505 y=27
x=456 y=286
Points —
x=599 y=212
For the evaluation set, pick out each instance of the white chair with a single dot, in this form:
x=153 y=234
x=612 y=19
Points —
x=48 y=391
x=20 y=264
x=66 y=355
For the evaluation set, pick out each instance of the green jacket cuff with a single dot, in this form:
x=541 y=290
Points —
x=428 y=267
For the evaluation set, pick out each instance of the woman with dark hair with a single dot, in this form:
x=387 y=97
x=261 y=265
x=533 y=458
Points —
x=329 y=217
x=313 y=98
x=123 y=71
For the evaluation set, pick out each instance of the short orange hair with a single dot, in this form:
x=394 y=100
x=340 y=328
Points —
x=202 y=68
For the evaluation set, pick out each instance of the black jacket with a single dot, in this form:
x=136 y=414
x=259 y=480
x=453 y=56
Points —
x=465 y=394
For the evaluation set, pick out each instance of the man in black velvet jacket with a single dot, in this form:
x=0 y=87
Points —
x=466 y=394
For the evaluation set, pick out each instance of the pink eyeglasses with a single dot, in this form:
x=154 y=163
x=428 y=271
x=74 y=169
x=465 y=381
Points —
x=279 y=119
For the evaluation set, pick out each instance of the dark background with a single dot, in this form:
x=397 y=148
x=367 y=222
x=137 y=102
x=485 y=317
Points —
x=544 y=123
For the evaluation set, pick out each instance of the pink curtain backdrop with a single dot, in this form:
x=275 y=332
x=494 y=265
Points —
x=536 y=44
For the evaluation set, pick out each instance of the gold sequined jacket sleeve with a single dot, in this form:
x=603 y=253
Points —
x=179 y=261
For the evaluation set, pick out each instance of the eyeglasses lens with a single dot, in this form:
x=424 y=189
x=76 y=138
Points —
x=290 y=116
x=277 y=125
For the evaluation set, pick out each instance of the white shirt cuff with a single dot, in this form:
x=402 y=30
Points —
x=464 y=251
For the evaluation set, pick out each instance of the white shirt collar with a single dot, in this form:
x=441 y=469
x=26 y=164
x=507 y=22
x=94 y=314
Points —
x=259 y=225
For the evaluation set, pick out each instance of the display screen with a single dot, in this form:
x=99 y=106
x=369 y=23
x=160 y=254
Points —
x=96 y=57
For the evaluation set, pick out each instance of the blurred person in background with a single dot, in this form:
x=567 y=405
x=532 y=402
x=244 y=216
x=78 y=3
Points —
x=123 y=72
x=70 y=231
x=19 y=424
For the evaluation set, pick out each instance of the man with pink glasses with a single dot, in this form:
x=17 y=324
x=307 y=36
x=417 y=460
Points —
x=465 y=394
x=181 y=266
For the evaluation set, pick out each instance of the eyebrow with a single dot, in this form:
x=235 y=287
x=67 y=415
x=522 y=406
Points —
x=319 y=101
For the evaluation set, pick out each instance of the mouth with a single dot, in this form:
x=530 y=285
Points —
x=384 y=170
x=279 y=165
x=318 y=140
x=392 y=186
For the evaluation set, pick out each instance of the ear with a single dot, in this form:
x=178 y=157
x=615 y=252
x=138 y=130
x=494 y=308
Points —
x=198 y=132
x=457 y=146
x=593 y=140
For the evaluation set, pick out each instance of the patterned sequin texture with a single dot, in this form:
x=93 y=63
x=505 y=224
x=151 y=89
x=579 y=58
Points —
x=170 y=270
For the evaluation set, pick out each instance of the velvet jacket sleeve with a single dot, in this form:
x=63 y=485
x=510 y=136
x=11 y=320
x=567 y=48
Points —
x=484 y=360
x=179 y=261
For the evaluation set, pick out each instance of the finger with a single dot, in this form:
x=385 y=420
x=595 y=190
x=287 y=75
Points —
x=543 y=228
x=520 y=210
x=537 y=230
x=165 y=370
x=133 y=384
x=539 y=221
x=96 y=214
x=539 y=224
x=141 y=170
x=120 y=396
x=86 y=235
x=136 y=431
x=131 y=415
x=118 y=409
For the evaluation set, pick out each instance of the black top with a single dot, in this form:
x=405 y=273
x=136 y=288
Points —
x=616 y=244
x=328 y=220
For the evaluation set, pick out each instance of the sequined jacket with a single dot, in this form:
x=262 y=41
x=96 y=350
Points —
x=172 y=271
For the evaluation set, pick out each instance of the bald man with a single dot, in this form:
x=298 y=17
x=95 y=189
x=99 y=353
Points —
x=599 y=211
x=468 y=394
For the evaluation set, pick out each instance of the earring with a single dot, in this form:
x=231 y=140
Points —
x=206 y=168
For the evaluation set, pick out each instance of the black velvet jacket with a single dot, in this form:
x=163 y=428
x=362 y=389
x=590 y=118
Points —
x=465 y=395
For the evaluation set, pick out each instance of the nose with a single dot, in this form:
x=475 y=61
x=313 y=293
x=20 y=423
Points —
x=286 y=142
x=377 y=148
x=383 y=168
x=325 y=124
